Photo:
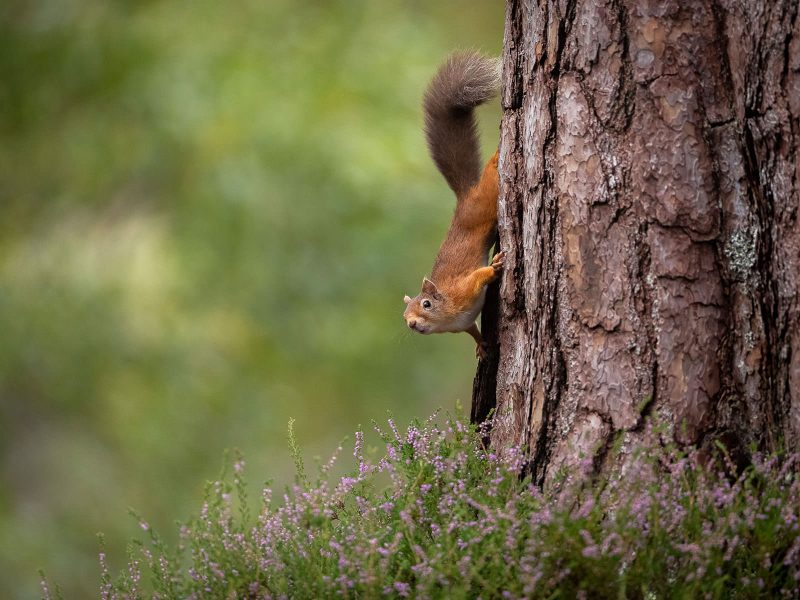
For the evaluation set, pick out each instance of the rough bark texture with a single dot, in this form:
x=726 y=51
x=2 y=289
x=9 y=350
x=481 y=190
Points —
x=648 y=209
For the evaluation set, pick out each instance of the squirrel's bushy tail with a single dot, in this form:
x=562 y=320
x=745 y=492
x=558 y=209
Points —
x=464 y=81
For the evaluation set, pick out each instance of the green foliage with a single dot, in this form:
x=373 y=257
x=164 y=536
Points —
x=209 y=213
x=439 y=516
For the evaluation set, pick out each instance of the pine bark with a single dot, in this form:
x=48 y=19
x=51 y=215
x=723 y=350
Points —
x=648 y=210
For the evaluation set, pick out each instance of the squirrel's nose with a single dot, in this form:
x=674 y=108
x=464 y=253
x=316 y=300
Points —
x=412 y=324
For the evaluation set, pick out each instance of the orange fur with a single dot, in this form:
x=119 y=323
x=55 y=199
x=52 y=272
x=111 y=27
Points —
x=460 y=275
x=453 y=296
x=459 y=270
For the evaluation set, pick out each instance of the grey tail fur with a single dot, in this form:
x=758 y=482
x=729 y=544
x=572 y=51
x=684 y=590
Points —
x=464 y=81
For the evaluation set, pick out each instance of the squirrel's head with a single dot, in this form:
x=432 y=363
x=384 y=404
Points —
x=426 y=311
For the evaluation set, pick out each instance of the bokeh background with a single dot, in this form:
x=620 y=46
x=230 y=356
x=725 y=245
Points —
x=209 y=214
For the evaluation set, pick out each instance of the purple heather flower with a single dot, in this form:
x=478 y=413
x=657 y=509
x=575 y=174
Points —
x=402 y=589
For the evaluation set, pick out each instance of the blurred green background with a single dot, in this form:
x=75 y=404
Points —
x=209 y=214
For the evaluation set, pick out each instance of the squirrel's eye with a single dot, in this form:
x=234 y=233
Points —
x=426 y=304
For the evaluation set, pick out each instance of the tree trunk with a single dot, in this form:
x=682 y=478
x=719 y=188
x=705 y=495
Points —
x=648 y=210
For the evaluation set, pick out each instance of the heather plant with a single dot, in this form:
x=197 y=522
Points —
x=436 y=514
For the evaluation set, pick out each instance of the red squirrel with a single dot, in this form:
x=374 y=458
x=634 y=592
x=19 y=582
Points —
x=453 y=296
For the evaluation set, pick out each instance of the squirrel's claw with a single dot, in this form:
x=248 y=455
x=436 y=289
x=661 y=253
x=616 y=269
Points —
x=481 y=351
x=497 y=261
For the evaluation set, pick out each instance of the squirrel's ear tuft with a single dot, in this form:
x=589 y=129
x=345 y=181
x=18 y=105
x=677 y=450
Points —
x=406 y=299
x=428 y=287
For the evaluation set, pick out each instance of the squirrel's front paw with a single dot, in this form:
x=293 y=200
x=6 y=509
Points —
x=497 y=262
x=481 y=350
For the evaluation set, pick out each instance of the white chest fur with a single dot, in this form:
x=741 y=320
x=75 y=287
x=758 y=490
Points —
x=465 y=319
